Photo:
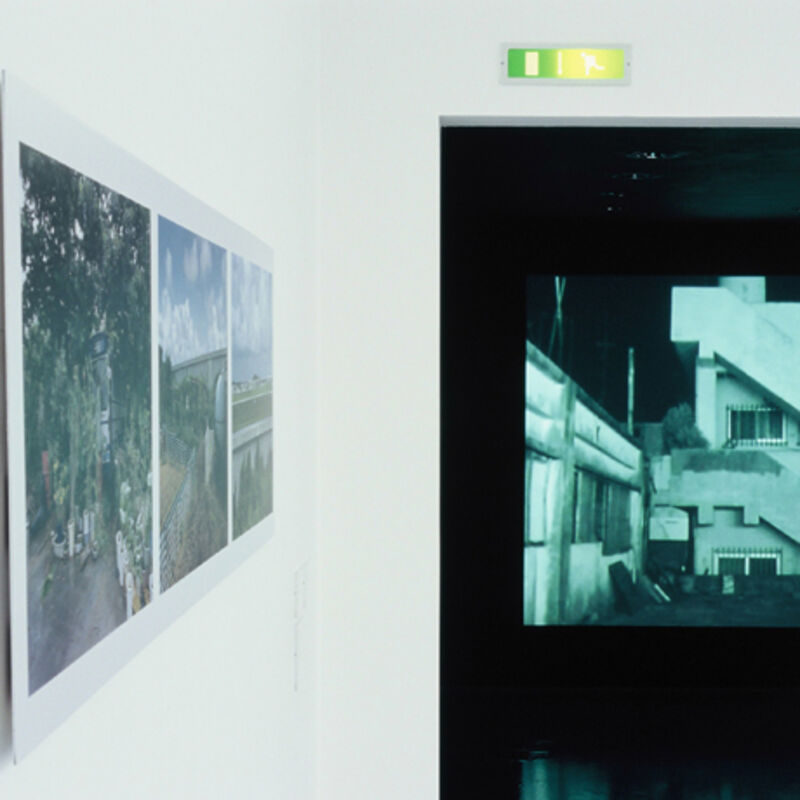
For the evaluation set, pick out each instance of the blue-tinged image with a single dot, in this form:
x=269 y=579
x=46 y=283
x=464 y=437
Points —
x=192 y=336
x=251 y=364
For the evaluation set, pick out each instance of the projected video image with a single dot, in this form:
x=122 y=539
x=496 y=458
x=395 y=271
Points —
x=662 y=451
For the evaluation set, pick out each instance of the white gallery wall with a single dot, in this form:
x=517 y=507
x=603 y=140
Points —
x=214 y=97
x=390 y=69
x=224 y=99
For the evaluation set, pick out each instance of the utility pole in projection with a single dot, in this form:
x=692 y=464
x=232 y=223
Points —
x=557 y=331
x=630 y=390
x=605 y=346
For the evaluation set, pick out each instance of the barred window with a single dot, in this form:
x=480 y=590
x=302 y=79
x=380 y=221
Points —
x=732 y=565
x=590 y=508
x=756 y=425
x=601 y=513
x=618 y=526
x=758 y=562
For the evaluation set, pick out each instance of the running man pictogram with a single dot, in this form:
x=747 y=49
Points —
x=589 y=63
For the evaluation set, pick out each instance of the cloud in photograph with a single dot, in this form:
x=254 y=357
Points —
x=168 y=272
x=192 y=314
x=251 y=319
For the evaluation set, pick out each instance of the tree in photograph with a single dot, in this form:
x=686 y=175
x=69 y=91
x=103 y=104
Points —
x=680 y=430
x=86 y=253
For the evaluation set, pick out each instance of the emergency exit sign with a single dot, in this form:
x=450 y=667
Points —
x=572 y=64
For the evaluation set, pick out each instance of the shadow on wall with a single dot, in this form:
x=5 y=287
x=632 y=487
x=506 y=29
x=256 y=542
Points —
x=5 y=657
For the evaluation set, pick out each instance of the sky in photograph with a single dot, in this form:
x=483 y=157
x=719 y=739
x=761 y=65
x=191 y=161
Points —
x=604 y=315
x=192 y=318
x=251 y=320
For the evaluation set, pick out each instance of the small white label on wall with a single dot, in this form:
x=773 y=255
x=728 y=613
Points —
x=300 y=606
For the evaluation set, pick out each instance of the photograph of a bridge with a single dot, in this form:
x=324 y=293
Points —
x=251 y=368
x=193 y=400
x=86 y=371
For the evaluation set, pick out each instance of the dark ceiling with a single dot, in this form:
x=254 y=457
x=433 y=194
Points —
x=626 y=172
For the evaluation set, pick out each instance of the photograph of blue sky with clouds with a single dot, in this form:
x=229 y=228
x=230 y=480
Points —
x=251 y=320
x=192 y=318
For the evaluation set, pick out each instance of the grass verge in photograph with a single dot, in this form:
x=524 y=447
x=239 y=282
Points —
x=251 y=363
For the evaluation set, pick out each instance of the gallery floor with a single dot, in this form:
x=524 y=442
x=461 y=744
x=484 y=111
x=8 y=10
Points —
x=540 y=776
x=725 y=746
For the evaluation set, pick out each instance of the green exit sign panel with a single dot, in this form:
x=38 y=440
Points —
x=573 y=64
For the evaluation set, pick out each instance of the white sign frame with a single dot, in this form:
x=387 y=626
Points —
x=504 y=78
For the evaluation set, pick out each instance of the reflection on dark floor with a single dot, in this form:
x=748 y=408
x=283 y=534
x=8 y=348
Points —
x=620 y=744
x=633 y=777
x=562 y=778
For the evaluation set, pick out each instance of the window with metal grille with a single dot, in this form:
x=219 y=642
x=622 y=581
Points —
x=732 y=565
x=756 y=425
x=761 y=563
x=617 y=537
x=764 y=567
x=601 y=513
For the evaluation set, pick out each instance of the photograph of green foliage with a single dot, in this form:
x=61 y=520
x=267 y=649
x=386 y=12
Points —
x=251 y=366
x=193 y=392
x=86 y=365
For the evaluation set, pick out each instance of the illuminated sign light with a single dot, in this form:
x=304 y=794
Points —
x=574 y=64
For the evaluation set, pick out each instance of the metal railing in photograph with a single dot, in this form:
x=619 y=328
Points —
x=174 y=523
x=176 y=450
x=755 y=561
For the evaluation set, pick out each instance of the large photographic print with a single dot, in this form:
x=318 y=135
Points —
x=86 y=365
x=251 y=363
x=193 y=399
x=120 y=349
